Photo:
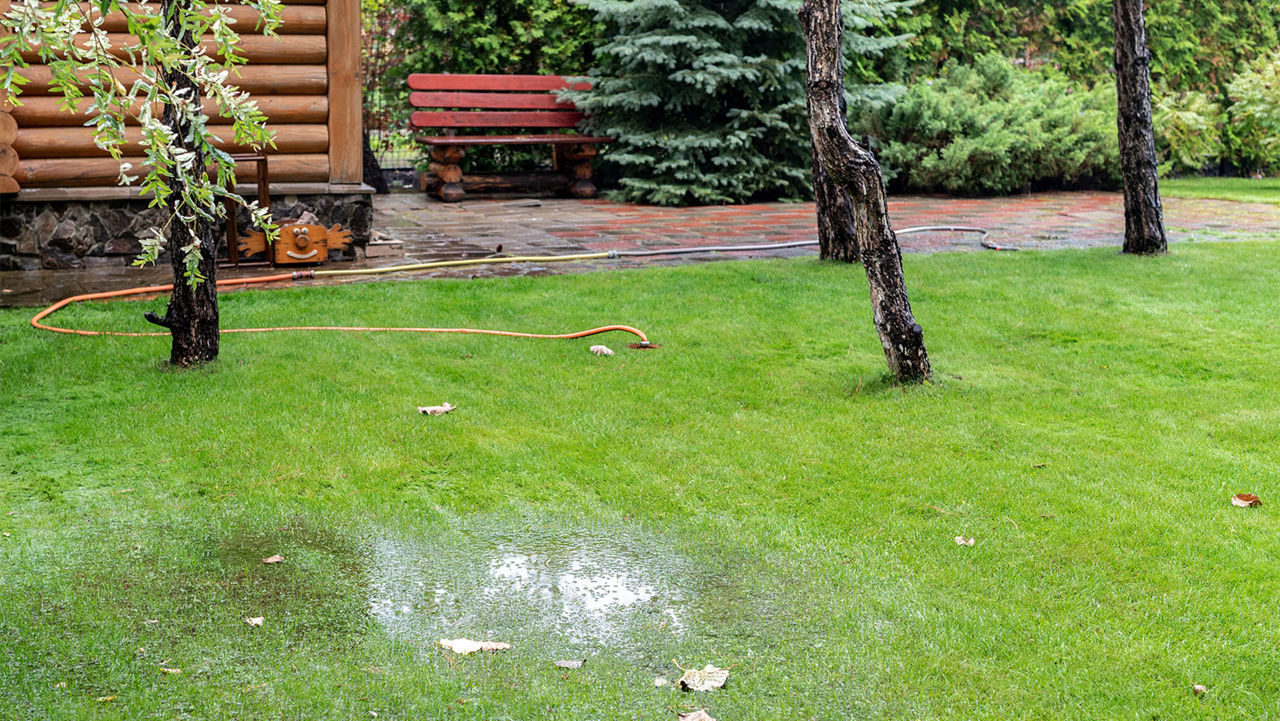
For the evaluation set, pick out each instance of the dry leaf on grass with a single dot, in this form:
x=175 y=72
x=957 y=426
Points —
x=104 y=699
x=699 y=715
x=273 y=559
x=962 y=541
x=436 y=410
x=571 y=664
x=1245 y=500
x=171 y=671
x=254 y=621
x=601 y=350
x=466 y=646
x=708 y=679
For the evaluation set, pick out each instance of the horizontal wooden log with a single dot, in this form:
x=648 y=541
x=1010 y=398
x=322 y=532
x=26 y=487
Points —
x=253 y=79
x=495 y=119
x=8 y=185
x=540 y=181
x=462 y=81
x=281 y=109
x=286 y=50
x=8 y=160
x=501 y=101
x=448 y=172
x=8 y=128
x=81 y=172
x=78 y=142
x=456 y=140
x=296 y=19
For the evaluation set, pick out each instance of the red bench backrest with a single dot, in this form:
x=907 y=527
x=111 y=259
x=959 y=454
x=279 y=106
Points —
x=505 y=101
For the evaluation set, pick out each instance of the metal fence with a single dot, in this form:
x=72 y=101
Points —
x=386 y=100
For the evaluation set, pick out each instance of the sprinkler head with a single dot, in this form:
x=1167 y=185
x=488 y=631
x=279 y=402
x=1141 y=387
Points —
x=642 y=345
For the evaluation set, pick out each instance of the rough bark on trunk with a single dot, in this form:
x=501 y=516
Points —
x=836 y=235
x=373 y=176
x=1143 y=214
x=856 y=171
x=192 y=314
x=836 y=239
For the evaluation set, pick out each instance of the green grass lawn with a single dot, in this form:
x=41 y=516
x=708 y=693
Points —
x=752 y=495
x=1245 y=190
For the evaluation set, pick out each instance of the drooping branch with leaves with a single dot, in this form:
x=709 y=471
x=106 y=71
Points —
x=177 y=67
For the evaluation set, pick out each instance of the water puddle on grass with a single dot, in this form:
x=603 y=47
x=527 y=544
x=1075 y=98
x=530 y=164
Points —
x=585 y=587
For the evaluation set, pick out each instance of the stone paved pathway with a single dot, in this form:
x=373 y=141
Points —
x=431 y=230
x=1040 y=221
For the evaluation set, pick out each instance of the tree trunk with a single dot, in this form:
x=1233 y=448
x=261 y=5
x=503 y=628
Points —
x=1143 y=214
x=836 y=240
x=192 y=314
x=855 y=170
x=836 y=235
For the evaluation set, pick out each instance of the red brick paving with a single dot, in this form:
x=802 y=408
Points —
x=432 y=231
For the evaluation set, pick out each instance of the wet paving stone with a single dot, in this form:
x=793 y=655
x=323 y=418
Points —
x=431 y=230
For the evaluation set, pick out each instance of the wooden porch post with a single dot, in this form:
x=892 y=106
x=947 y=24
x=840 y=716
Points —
x=345 y=116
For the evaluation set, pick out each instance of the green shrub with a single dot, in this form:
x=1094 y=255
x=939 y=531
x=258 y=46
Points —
x=1195 y=44
x=1254 y=132
x=1188 y=131
x=992 y=128
x=705 y=99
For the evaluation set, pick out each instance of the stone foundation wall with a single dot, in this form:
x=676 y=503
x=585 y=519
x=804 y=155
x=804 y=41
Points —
x=79 y=234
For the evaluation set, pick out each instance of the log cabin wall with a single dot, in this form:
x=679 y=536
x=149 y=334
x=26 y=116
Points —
x=306 y=82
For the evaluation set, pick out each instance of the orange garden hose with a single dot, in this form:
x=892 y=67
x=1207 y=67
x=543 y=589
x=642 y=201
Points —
x=36 y=320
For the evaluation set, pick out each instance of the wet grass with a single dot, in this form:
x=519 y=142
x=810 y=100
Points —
x=1244 y=190
x=1091 y=416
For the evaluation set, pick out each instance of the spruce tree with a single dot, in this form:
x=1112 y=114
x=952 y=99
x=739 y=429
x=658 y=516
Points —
x=705 y=99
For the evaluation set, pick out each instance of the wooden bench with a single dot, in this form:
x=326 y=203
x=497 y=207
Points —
x=487 y=102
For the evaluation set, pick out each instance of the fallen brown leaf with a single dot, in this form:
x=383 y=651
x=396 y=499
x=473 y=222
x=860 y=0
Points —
x=254 y=621
x=699 y=715
x=436 y=410
x=466 y=646
x=708 y=679
x=273 y=559
x=1245 y=500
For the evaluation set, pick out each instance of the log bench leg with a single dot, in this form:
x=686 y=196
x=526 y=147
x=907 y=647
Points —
x=444 y=165
x=576 y=159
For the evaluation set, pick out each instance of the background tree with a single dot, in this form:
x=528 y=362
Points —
x=855 y=170
x=183 y=53
x=1143 y=215
x=705 y=97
